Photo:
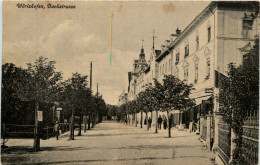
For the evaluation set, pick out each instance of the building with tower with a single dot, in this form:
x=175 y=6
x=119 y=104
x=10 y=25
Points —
x=221 y=34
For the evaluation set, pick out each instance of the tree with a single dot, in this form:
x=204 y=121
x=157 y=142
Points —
x=173 y=94
x=13 y=108
x=144 y=103
x=76 y=95
x=141 y=105
x=239 y=96
x=40 y=84
x=157 y=100
x=132 y=109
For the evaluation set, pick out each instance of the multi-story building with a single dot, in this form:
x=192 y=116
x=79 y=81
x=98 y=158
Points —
x=221 y=34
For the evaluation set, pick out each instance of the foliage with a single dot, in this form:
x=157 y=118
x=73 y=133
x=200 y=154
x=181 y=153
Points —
x=41 y=82
x=13 y=108
x=176 y=94
x=75 y=94
x=239 y=96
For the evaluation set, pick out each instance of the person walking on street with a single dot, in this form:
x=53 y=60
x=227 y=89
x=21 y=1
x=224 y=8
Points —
x=160 y=122
x=56 y=130
x=149 y=122
x=164 y=122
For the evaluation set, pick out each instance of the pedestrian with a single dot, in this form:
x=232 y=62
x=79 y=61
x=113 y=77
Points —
x=149 y=122
x=164 y=122
x=190 y=126
x=160 y=122
x=194 y=127
x=56 y=130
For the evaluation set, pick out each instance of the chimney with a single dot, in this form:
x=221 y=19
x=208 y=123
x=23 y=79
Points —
x=178 y=31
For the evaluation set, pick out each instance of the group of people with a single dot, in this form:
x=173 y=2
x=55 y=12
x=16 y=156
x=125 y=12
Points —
x=160 y=121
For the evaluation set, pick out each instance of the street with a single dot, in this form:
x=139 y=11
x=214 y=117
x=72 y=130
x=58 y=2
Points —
x=112 y=143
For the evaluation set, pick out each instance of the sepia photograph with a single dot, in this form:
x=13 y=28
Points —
x=130 y=82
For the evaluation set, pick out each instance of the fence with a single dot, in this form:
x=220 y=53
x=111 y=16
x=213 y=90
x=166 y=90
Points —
x=17 y=131
x=224 y=141
x=250 y=138
x=204 y=130
x=27 y=131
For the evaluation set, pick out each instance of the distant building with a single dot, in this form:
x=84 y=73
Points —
x=122 y=98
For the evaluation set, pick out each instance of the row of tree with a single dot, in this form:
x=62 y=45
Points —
x=40 y=87
x=172 y=94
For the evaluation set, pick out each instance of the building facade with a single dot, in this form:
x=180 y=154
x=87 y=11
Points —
x=221 y=34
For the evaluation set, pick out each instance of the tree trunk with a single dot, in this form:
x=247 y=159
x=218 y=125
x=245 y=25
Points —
x=80 y=122
x=169 y=127
x=85 y=123
x=89 y=122
x=141 y=119
x=72 y=125
x=146 y=118
x=93 y=120
x=156 y=121
x=181 y=119
x=36 y=143
x=136 y=120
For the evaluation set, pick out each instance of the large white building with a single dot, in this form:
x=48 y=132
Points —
x=218 y=36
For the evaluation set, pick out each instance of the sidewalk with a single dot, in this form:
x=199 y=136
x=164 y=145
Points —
x=113 y=143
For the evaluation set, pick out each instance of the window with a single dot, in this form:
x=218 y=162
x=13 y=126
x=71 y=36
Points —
x=165 y=67
x=186 y=51
x=197 y=43
x=209 y=34
x=247 y=28
x=177 y=58
x=208 y=69
x=186 y=74
x=196 y=74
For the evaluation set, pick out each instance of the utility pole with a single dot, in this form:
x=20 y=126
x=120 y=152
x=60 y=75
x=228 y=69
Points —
x=91 y=91
x=91 y=75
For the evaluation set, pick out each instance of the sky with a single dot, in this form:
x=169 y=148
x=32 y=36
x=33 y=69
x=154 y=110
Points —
x=74 y=37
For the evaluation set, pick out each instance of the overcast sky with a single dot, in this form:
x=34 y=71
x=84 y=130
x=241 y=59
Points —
x=74 y=37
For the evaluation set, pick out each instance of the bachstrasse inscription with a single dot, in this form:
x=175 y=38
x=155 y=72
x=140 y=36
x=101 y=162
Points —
x=48 y=6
